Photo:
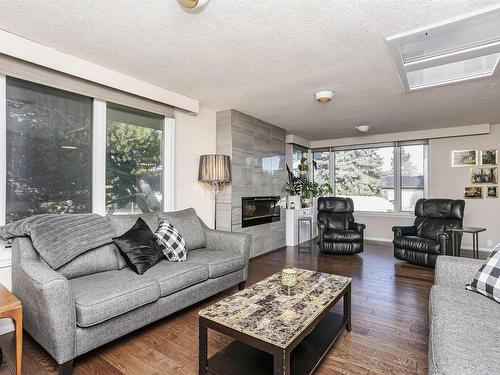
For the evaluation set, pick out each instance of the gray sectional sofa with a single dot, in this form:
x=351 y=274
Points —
x=464 y=328
x=96 y=298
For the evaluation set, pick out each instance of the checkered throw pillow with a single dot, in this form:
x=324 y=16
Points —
x=171 y=242
x=487 y=279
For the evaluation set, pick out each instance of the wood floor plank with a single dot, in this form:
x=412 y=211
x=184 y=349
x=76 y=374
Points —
x=389 y=312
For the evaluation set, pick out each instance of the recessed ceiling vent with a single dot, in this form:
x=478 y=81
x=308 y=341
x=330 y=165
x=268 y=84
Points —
x=456 y=50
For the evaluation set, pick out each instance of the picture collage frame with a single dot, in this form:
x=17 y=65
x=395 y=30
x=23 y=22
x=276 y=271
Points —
x=483 y=173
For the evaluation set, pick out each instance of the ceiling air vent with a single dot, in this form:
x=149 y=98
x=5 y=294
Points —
x=456 y=50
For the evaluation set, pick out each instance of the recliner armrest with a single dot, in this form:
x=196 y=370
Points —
x=356 y=226
x=321 y=226
x=404 y=230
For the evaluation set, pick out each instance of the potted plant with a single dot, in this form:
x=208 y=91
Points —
x=303 y=168
x=293 y=189
x=306 y=194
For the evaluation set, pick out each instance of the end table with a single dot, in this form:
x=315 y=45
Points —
x=10 y=307
x=475 y=239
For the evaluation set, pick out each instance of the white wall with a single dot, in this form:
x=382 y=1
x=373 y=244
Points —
x=195 y=136
x=379 y=226
x=449 y=182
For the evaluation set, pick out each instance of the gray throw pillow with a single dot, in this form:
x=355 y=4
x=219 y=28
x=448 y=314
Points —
x=188 y=225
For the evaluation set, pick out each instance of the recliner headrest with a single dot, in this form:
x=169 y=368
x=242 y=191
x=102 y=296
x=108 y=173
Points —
x=335 y=204
x=440 y=208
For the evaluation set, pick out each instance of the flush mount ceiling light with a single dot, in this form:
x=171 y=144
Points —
x=456 y=50
x=193 y=4
x=363 y=128
x=324 y=96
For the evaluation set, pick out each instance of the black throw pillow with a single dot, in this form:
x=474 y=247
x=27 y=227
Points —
x=139 y=247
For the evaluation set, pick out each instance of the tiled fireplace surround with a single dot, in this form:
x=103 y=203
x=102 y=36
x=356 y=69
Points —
x=257 y=151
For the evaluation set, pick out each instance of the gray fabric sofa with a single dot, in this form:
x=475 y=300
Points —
x=96 y=298
x=464 y=329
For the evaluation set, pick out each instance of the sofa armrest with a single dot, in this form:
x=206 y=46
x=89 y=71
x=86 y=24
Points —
x=48 y=304
x=232 y=242
x=357 y=227
x=455 y=272
x=404 y=230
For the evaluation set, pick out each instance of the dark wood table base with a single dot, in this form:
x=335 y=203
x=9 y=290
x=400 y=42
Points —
x=251 y=356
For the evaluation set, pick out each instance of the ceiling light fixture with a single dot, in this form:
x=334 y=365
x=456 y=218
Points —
x=363 y=128
x=324 y=96
x=193 y=4
x=69 y=147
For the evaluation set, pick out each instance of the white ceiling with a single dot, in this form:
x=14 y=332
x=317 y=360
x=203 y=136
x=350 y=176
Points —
x=267 y=57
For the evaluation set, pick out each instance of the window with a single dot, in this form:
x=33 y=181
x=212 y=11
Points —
x=367 y=176
x=134 y=163
x=49 y=152
x=387 y=177
x=298 y=152
x=412 y=175
x=321 y=166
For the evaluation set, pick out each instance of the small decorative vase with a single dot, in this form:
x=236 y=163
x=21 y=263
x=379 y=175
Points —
x=289 y=278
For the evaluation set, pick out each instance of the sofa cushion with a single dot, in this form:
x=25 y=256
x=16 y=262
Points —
x=122 y=223
x=175 y=276
x=219 y=262
x=463 y=332
x=103 y=258
x=417 y=244
x=188 y=225
x=342 y=236
x=105 y=295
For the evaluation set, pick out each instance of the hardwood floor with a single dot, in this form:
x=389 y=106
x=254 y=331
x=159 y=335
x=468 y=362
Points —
x=389 y=316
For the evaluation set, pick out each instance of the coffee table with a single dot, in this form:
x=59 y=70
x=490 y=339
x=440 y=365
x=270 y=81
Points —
x=276 y=332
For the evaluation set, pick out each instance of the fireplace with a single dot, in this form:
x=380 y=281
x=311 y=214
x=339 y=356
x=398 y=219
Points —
x=259 y=210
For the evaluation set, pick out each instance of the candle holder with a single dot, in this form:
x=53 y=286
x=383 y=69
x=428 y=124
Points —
x=289 y=278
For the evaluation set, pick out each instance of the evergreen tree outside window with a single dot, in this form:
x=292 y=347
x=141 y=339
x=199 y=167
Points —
x=367 y=176
x=134 y=163
x=49 y=151
x=321 y=163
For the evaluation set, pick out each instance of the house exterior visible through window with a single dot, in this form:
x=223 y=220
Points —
x=134 y=163
x=49 y=151
x=387 y=177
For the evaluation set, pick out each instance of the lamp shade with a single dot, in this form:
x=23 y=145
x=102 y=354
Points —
x=215 y=169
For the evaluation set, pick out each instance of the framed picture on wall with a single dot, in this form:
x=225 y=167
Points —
x=489 y=157
x=492 y=191
x=473 y=192
x=463 y=158
x=484 y=175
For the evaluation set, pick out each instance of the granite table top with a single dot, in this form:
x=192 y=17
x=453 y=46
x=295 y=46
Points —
x=267 y=312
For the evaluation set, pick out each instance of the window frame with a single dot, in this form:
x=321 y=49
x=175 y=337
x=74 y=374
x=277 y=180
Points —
x=98 y=161
x=398 y=212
